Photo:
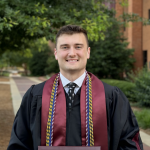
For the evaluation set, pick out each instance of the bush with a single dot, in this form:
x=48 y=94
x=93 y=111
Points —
x=38 y=62
x=126 y=87
x=110 y=57
x=142 y=86
x=143 y=118
x=52 y=66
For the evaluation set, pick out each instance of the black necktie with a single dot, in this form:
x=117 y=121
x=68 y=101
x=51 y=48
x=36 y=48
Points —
x=71 y=94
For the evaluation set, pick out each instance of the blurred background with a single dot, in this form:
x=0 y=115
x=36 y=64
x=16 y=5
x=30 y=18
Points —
x=119 y=37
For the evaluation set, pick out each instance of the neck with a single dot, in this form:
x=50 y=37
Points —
x=72 y=76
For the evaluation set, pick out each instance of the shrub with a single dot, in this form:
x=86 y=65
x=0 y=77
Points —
x=38 y=62
x=142 y=86
x=110 y=57
x=143 y=118
x=126 y=87
x=52 y=66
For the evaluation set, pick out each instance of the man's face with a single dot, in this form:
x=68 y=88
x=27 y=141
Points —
x=72 y=53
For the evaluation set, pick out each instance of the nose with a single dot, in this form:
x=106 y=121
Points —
x=72 y=52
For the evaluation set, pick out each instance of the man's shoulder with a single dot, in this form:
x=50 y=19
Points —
x=113 y=92
x=109 y=89
x=38 y=89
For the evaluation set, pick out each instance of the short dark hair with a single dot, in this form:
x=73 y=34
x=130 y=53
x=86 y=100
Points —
x=71 y=29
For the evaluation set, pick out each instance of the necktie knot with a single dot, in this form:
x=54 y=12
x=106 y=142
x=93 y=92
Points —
x=71 y=86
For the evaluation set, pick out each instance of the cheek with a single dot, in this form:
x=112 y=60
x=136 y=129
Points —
x=84 y=55
x=62 y=56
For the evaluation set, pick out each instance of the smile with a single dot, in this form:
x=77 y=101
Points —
x=72 y=60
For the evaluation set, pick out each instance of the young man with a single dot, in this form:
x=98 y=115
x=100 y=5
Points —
x=74 y=107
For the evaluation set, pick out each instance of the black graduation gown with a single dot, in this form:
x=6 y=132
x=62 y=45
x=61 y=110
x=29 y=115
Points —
x=121 y=122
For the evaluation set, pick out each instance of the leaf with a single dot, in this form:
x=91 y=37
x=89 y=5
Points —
x=32 y=34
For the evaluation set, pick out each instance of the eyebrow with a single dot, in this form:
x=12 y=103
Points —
x=63 y=45
x=79 y=44
x=68 y=44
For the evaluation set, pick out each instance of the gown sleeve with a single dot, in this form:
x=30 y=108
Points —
x=122 y=125
x=21 y=138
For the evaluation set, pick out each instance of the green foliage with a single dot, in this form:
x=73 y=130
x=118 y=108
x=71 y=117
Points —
x=126 y=87
x=123 y=3
x=52 y=65
x=125 y=18
x=38 y=62
x=3 y=61
x=133 y=18
x=5 y=74
x=22 y=58
x=19 y=57
x=30 y=20
x=110 y=57
x=142 y=86
x=97 y=24
x=143 y=118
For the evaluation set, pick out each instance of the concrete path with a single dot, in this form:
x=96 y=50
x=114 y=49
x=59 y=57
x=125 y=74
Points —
x=19 y=85
x=1 y=82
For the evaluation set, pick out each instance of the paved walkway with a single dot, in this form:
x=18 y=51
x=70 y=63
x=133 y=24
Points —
x=19 y=86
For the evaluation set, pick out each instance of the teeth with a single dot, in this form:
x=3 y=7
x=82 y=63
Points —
x=72 y=60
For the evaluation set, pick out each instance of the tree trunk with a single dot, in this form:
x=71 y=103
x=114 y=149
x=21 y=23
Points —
x=25 y=69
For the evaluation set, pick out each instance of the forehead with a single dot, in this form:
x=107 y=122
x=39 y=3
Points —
x=71 y=39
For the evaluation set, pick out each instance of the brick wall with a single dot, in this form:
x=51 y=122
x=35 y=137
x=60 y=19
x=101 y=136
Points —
x=134 y=32
x=146 y=30
x=119 y=9
x=137 y=34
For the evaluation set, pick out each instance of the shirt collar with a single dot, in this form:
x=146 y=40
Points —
x=78 y=81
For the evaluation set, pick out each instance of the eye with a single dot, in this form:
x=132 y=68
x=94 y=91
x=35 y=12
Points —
x=64 y=47
x=78 y=47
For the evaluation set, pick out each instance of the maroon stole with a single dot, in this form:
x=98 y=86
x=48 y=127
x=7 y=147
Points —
x=99 y=113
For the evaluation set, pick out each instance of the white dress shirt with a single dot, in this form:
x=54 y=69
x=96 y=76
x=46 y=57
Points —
x=78 y=82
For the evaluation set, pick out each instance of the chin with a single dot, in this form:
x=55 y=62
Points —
x=75 y=70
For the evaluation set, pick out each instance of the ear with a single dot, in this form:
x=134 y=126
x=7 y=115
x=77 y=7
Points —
x=88 y=52
x=55 y=53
